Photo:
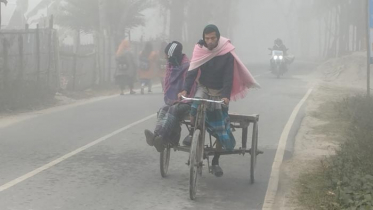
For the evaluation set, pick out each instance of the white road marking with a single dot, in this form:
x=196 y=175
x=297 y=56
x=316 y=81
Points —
x=275 y=174
x=7 y=121
x=69 y=155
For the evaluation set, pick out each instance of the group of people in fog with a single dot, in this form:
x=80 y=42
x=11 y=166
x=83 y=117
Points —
x=149 y=65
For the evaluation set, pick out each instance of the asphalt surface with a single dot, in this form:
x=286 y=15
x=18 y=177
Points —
x=122 y=171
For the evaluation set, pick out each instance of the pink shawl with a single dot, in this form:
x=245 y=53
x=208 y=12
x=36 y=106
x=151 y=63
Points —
x=242 y=78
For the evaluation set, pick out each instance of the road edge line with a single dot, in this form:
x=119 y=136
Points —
x=275 y=173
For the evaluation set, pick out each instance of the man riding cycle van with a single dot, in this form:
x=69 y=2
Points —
x=221 y=76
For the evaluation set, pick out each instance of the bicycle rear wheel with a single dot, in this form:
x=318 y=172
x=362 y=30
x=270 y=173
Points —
x=165 y=160
x=254 y=153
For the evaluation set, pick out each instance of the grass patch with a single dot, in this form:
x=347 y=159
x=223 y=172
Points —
x=345 y=180
x=314 y=190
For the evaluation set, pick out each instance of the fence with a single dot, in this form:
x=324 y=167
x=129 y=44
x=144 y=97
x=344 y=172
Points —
x=78 y=70
x=28 y=67
x=84 y=66
x=34 y=66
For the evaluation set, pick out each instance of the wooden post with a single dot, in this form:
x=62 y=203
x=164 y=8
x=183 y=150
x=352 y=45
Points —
x=97 y=73
x=74 y=70
x=19 y=80
x=50 y=56
x=7 y=92
x=110 y=55
x=94 y=73
x=6 y=65
x=76 y=51
x=57 y=59
x=21 y=58
x=101 y=52
x=37 y=35
x=104 y=69
x=244 y=137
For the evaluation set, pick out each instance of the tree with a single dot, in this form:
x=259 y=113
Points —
x=85 y=15
x=341 y=21
x=174 y=11
x=107 y=21
x=189 y=17
x=124 y=15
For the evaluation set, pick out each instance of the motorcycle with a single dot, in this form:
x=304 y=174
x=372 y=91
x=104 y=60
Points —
x=279 y=63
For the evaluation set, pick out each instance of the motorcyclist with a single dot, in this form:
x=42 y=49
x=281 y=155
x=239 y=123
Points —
x=279 y=45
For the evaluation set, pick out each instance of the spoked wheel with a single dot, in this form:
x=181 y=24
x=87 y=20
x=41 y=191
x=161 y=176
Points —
x=195 y=166
x=165 y=160
x=254 y=153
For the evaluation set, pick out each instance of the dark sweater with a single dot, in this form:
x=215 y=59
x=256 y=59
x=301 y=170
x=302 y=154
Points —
x=215 y=74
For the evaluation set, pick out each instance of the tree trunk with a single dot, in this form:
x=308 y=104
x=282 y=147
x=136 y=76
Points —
x=328 y=33
x=333 y=48
x=342 y=31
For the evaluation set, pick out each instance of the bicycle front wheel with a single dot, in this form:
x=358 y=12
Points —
x=194 y=164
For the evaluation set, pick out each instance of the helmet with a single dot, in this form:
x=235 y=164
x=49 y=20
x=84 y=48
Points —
x=278 y=41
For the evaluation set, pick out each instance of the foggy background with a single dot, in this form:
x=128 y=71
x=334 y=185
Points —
x=74 y=48
x=59 y=53
x=252 y=25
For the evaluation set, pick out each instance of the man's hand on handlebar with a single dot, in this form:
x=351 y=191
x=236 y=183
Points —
x=226 y=101
x=182 y=93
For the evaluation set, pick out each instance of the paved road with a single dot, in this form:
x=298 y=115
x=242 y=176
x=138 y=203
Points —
x=121 y=171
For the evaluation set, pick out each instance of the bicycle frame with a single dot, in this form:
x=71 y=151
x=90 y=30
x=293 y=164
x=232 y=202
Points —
x=200 y=118
x=198 y=151
x=200 y=121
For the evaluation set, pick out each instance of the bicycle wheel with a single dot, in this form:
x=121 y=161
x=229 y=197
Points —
x=194 y=161
x=254 y=151
x=165 y=160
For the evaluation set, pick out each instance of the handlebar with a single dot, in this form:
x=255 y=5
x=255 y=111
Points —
x=201 y=99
